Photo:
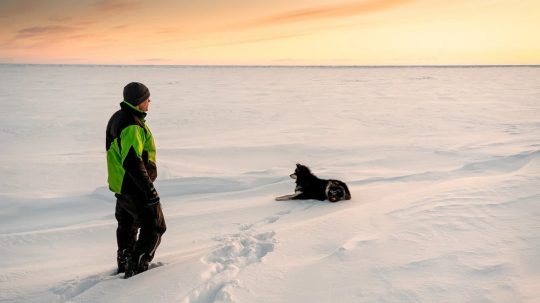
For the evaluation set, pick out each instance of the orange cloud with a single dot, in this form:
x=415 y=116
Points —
x=115 y=5
x=327 y=12
x=39 y=31
x=247 y=41
x=57 y=19
x=278 y=36
x=313 y=13
x=45 y=35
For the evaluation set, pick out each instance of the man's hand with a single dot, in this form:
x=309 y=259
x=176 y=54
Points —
x=153 y=199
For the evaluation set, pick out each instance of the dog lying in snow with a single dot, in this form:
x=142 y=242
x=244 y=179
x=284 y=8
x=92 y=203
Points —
x=308 y=186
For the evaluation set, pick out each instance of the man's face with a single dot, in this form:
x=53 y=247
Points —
x=144 y=105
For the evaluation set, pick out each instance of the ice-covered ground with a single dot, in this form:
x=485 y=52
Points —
x=443 y=165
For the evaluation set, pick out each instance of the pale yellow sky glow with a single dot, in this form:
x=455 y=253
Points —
x=278 y=32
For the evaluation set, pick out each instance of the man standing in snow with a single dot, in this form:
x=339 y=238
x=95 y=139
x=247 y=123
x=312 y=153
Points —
x=131 y=164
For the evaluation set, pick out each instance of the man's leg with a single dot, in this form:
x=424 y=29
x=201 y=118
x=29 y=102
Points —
x=126 y=233
x=153 y=226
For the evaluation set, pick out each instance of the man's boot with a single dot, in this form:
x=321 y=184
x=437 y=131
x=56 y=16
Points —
x=122 y=257
x=136 y=265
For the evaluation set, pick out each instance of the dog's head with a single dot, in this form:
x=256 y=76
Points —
x=336 y=191
x=301 y=172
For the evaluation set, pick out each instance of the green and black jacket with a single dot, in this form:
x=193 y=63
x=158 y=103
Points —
x=131 y=154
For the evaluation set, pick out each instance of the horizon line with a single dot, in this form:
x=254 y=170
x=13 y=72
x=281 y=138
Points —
x=277 y=65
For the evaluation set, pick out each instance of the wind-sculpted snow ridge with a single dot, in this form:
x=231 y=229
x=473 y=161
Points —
x=69 y=290
x=495 y=166
x=73 y=288
x=208 y=186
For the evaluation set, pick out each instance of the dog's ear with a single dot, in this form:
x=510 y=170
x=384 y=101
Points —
x=298 y=165
x=347 y=192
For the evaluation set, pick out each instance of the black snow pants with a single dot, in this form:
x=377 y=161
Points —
x=132 y=214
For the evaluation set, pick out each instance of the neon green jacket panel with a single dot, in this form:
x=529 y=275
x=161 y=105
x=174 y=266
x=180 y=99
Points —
x=131 y=153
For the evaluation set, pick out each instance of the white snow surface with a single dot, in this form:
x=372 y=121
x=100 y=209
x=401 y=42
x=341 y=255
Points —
x=443 y=165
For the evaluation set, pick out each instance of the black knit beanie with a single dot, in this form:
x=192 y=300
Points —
x=135 y=93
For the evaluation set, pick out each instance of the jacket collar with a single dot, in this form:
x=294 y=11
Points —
x=132 y=110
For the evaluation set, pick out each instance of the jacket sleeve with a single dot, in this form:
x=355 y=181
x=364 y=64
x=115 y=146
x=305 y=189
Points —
x=132 y=138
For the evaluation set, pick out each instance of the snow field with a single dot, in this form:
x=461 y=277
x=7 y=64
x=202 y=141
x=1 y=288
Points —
x=442 y=164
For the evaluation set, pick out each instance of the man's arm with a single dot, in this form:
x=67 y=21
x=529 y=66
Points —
x=132 y=140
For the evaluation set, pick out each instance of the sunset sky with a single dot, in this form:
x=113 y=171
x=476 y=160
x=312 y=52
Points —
x=276 y=32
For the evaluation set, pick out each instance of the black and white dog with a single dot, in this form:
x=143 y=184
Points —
x=308 y=186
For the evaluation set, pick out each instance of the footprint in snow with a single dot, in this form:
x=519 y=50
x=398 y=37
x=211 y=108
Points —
x=225 y=263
